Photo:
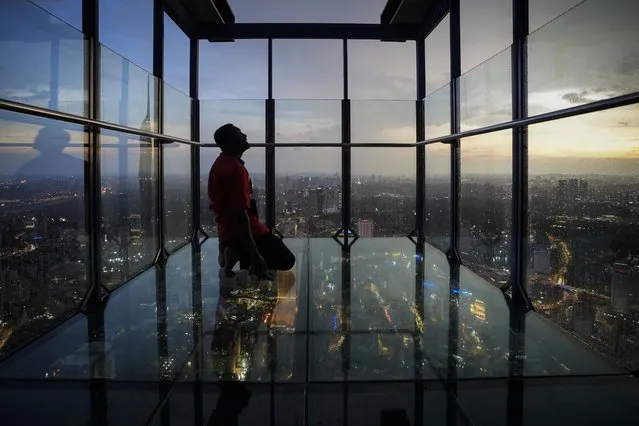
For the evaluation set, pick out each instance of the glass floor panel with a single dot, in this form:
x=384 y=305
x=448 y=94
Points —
x=348 y=327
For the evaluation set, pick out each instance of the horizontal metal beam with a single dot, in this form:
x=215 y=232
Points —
x=70 y=118
x=616 y=102
x=326 y=145
x=229 y=32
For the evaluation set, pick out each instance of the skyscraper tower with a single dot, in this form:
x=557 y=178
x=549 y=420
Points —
x=621 y=288
x=365 y=228
x=320 y=201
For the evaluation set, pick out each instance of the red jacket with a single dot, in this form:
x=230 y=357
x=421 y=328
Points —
x=230 y=190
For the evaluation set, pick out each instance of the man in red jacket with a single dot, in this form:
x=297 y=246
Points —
x=241 y=235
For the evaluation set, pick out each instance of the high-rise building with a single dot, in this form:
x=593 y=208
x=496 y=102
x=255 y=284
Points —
x=319 y=193
x=621 y=287
x=365 y=228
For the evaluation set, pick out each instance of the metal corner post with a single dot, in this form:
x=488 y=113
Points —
x=93 y=303
x=346 y=149
x=270 y=144
x=520 y=153
x=455 y=125
x=158 y=72
x=90 y=29
x=194 y=66
x=420 y=206
x=420 y=135
x=455 y=187
x=519 y=261
x=160 y=284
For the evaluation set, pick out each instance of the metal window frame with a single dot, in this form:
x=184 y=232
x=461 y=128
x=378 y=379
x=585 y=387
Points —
x=194 y=67
x=520 y=303
x=269 y=150
x=92 y=68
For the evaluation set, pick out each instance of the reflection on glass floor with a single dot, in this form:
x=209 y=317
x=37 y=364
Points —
x=378 y=312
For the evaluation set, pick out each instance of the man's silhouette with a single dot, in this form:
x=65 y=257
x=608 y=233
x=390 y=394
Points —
x=242 y=236
x=52 y=161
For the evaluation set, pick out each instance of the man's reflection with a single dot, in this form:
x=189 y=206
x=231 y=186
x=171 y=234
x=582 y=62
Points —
x=242 y=336
x=52 y=161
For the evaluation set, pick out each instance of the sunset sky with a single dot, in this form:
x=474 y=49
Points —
x=588 y=53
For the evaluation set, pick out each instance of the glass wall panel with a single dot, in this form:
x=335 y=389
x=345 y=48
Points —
x=255 y=163
x=129 y=191
x=587 y=54
x=127 y=92
x=486 y=96
x=249 y=115
x=43 y=239
x=437 y=204
x=308 y=121
x=177 y=168
x=383 y=191
x=383 y=121
x=308 y=191
x=486 y=29
x=378 y=70
x=177 y=113
x=437 y=51
x=542 y=12
x=127 y=28
x=485 y=206
x=69 y=11
x=177 y=195
x=583 y=238
x=308 y=69
x=42 y=61
x=177 y=55
x=237 y=70
x=437 y=113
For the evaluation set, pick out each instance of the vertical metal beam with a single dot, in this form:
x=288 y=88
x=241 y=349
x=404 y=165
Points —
x=95 y=317
x=158 y=72
x=420 y=203
x=270 y=139
x=455 y=125
x=90 y=22
x=519 y=249
x=346 y=149
x=453 y=254
x=122 y=202
x=520 y=154
x=420 y=135
x=196 y=258
x=194 y=66
x=165 y=371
